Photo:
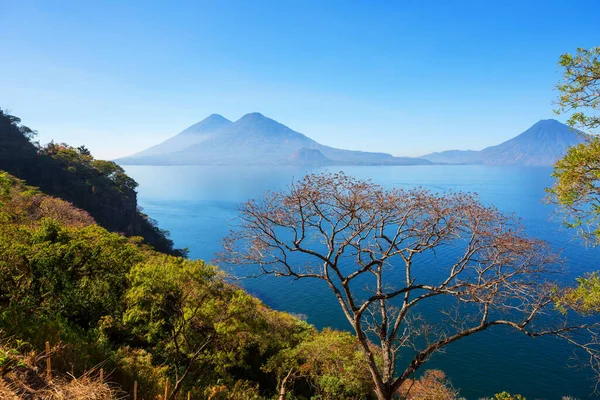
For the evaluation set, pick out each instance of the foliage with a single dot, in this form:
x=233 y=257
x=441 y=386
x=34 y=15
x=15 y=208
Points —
x=102 y=188
x=577 y=189
x=332 y=360
x=577 y=174
x=175 y=306
x=584 y=298
x=134 y=364
x=76 y=273
x=11 y=357
x=241 y=390
x=580 y=87
x=508 y=396
x=26 y=205
x=433 y=385
x=145 y=315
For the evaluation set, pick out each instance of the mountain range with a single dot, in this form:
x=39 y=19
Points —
x=257 y=140
x=542 y=144
x=253 y=140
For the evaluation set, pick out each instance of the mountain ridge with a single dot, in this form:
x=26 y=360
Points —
x=543 y=143
x=188 y=137
x=255 y=140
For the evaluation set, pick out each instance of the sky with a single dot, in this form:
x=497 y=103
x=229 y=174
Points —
x=405 y=77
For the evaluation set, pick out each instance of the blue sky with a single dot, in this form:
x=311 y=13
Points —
x=405 y=77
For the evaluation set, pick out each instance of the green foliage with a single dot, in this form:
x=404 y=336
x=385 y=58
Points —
x=173 y=306
x=330 y=360
x=577 y=189
x=102 y=188
x=508 y=396
x=134 y=364
x=11 y=357
x=75 y=273
x=584 y=298
x=577 y=174
x=148 y=315
x=580 y=86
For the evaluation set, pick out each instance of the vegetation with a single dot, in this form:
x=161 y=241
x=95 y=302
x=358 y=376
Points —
x=577 y=189
x=580 y=88
x=113 y=301
x=147 y=315
x=21 y=379
x=106 y=299
x=577 y=186
x=348 y=233
x=577 y=174
x=100 y=187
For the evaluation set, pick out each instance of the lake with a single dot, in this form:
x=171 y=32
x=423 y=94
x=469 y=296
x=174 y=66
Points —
x=197 y=204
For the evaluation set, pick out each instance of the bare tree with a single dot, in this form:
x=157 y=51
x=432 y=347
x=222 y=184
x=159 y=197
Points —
x=375 y=248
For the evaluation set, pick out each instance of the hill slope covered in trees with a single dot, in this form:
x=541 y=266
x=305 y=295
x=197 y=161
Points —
x=100 y=187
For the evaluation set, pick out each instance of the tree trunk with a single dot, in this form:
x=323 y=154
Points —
x=283 y=388
x=383 y=394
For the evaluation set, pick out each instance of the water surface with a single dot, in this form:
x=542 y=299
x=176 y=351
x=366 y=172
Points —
x=197 y=204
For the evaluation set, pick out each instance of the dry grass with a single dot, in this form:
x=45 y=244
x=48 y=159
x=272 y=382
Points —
x=22 y=377
x=83 y=388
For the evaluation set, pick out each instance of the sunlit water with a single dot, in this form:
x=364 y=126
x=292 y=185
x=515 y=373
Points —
x=198 y=206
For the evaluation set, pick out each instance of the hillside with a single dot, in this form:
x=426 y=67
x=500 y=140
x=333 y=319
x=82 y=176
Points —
x=99 y=187
x=542 y=144
x=106 y=301
x=252 y=140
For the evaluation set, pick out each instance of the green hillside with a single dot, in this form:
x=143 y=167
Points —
x=100 y=187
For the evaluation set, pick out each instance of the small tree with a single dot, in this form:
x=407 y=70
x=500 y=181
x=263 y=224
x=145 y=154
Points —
x=171 y=306
x=375 y=250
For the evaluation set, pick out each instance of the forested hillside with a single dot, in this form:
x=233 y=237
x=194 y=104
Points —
x=100 y=187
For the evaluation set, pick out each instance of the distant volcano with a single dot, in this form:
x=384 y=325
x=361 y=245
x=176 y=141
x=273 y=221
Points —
x=253 y=140
x=542 y=144
x=189 y=137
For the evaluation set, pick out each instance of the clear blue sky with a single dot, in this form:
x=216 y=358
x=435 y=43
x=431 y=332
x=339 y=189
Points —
x=406 y=77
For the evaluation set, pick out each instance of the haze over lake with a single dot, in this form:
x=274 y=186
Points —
x=197 y=204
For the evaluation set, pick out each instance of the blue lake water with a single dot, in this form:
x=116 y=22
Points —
x=197 y=205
